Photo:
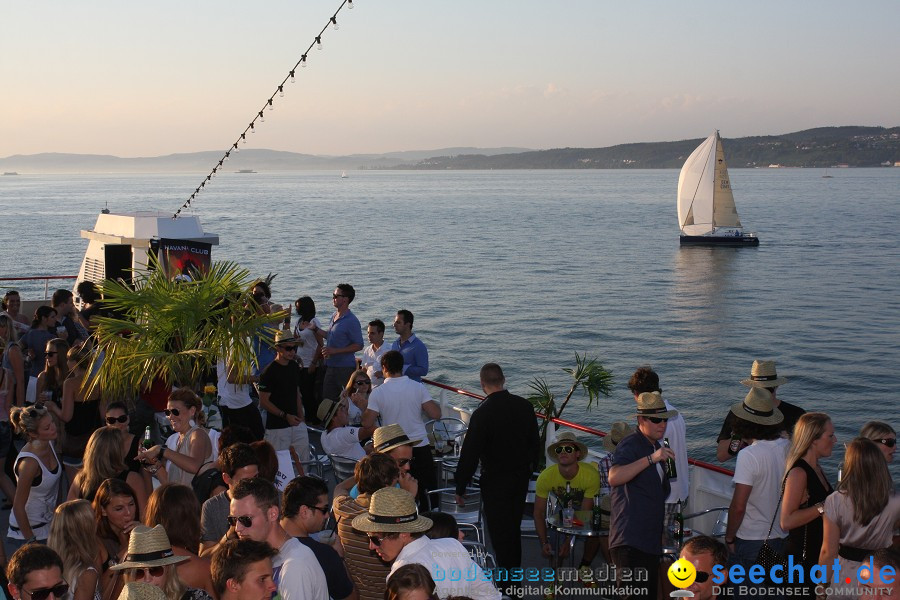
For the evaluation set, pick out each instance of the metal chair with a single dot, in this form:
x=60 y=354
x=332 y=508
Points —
x=446 y=434
x=480 y=555
x=342 y=467
x=721 y=523
x=444 y=500
x=316 y=463
x=470 y=528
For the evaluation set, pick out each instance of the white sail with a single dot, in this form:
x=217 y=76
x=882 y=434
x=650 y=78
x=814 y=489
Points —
x=705 y=201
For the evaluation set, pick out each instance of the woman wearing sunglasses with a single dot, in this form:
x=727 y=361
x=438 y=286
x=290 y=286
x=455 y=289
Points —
x=117 y=417
x=356 y=394
x=884 y=437
x=56 y=369
x=103 y=460
x=150 y=559
x=73 y=534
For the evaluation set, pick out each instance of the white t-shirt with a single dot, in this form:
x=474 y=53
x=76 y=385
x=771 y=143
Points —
x=343 y=441
x=761 y=465
x=298 y=574
x=307 y=352
x=371 y=362
x=453 y=571
x=399 y=400
x=231 y=395
x=676 y=432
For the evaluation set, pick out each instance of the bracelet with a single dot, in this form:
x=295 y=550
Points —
x=283 y=414
x=650 y=460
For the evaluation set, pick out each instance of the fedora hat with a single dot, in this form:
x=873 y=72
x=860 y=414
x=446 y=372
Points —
x=617 y=432
x=763 y=374
x=651 y=404
x=389 y=437
x=565 y=438
x=284 y=336
x=392 y=510
x=149 y=548
x=327 y=409
x=138 y=590
x=758 y=407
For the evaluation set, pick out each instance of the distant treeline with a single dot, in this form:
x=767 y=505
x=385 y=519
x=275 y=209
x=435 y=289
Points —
x=822 y=147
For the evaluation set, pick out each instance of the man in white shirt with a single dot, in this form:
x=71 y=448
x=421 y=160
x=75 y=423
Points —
x=396 y=534
x=339 y=438
x=234 y=399
x=371 y=354
x=255 y=515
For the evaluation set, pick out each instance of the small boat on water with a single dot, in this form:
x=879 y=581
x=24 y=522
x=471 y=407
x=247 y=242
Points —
x=246 y=171
x=707 y=215
x=343 y=174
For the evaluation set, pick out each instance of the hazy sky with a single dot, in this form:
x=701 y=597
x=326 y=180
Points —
x=144 y=79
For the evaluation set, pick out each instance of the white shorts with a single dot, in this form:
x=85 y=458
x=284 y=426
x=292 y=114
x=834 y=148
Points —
x=297 y=436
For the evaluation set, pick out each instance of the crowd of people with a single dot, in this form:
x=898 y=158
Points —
x=105 y=505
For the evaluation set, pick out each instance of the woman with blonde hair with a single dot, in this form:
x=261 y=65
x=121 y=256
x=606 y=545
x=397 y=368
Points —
x=175 y=507
x=805 y=488
x=80 y=412
x=103 y=460
x=861 y=515
x=882 y=434
x=356 y=395
x=73 y=534
x=37 y=470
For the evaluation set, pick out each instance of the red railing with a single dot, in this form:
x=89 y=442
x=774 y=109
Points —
x=45 y=278
x=578 y=426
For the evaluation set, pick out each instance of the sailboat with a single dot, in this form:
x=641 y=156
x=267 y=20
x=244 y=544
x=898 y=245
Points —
x=343 y=174
x=706 y=212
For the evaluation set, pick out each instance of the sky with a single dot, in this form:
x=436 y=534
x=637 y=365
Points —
x=146 y=79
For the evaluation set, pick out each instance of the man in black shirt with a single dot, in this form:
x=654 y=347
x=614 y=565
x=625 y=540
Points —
x=503 y=435
x=764 y=375
x=279 y=395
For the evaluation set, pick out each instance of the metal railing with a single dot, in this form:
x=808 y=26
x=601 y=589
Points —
x=45 y=278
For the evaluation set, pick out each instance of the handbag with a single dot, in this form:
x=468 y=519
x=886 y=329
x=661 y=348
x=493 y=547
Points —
x=768 y=557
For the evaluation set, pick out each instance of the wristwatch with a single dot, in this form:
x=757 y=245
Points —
x=821 y=508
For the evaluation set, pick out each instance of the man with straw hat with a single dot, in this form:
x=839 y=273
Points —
x=279 y=395
x=255 y=515
x=397 y=534
x=339 y=438
x=763 y=375
x=392 y=441
x=639 y=489
x=582 y=481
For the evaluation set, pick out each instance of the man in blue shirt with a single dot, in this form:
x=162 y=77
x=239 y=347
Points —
x=343 y=342
x=415 y=354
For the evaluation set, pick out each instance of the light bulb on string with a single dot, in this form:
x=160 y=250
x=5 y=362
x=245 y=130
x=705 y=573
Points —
x=303 y=61
x=293 y=79
x=334 y=23
x=262 y=117
x=252 y=128
x=350 y=4
x=244 y=136
x=281 y=90
x=319 y=42
x=271 y=105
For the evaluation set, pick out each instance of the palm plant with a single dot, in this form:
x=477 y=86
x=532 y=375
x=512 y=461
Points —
x=589 y=376
x=174 y=332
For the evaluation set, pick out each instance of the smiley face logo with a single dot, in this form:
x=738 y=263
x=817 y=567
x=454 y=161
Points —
x=682 y=573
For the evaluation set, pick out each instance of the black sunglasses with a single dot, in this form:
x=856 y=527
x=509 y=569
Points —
x=36 y=410
x=403 y=462
x=154 y=572
x=173 y=411
x=657 y=420
x=51 y=353
x=566 y=449
x=376 y=540
x=119 y=419
x=333 y=296
x=59 y=591
x=702 y=576
x=363 y=382
x=288 y=348
x=245 y=520
x=313 y=507
x=889 y=442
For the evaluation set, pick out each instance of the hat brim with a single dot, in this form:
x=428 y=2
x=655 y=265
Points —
x=669 y=414
x=330 y=414
x=364 y=523
x=551 y=449
x=765 y=384
x=397 y=445
x=159 y=562
x=737 y=409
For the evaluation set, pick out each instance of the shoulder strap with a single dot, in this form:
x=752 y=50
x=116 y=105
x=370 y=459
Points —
x=777 y=507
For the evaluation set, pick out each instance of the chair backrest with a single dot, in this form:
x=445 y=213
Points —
x=470 y=531
x=315 y=465
x=342 y=467
x=446 y=429
x=444 y=500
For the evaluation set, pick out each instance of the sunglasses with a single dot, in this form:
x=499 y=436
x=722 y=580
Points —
x=702 y=576
x=288 y=348
x=566 y=449
x=363 y=382
x=119 y=419
x=403 y=462
x=141 y=572
x=173 y=411
x=313 y=507
x=36 y=411
x=59 y=591
x=657 y=420
x=51 y=353
x=333 y=296
x=377 y=540
x=889 y=442
x=245 y=520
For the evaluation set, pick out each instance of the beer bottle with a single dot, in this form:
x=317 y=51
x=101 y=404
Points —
x=567 y=498
x=147 y=443
x=735 y=445
x=670 y=463
x=679 y=526
x=596 y=515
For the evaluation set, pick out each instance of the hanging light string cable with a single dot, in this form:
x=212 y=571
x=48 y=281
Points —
x=268 y=105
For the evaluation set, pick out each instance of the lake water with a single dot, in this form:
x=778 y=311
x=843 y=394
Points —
x=527 y=268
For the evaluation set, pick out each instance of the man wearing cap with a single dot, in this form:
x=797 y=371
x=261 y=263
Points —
x=397 y=534
x=255 y=516
x=758 y=474
x=503 y=436
x=35 y=567
x=415 y=354
x=639 y=489
x=242 y=570
x=339 y=438
x=764 y=376
x=343 y=342
x=279 y=395
x=581 y=477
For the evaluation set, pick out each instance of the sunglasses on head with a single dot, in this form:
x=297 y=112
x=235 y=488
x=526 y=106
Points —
x=141 y=572
x=889 y=442
x=119 y=419
x=59 y=591
x=566 y=449
x=172 y=411
x=245 y=520
x=657 y=420
x=36 y=410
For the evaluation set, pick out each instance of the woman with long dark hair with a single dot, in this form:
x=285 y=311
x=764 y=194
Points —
x=34 y=343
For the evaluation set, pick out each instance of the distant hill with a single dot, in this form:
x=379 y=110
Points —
x=821 y=147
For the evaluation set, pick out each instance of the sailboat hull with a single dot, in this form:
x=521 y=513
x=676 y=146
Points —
x=719 y=240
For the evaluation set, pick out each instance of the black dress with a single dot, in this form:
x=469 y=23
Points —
x=812 y=531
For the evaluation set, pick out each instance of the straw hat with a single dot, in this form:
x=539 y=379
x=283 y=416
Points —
x=389 y=437
x=392 y=510
x=283 y=337
x=758 y=407
x=618 y=431
x=565 y=438
x=651 y=404
x=138 y=590
x=149 y=548
x=762 y=374
x=327 y=409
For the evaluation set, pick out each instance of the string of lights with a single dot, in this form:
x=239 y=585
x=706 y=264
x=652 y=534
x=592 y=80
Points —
x=269 y=105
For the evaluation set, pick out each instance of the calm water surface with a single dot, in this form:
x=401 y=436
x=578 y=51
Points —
x=529 y=267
